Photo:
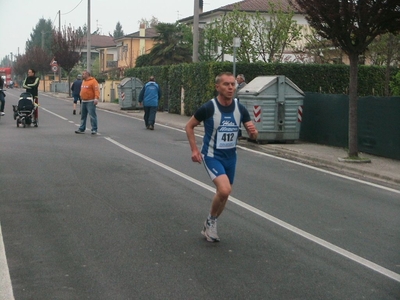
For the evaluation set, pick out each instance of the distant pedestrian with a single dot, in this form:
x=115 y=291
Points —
x=76 y=91
x=221 y=117
x=150 y=95
x=90 y=97
x=31 y=85
x=2 y=97
x=241 y=82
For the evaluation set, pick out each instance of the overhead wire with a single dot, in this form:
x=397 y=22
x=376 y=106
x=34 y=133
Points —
x=73 y=8
x=67 y=12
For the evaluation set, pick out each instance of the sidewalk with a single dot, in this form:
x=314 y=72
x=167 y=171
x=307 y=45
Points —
x=380 y=170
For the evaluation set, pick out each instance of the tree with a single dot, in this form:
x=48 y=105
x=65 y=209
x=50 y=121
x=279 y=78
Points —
x=262 y=37
x=238 y=24
x=143 y=60
x=208 y=42
x=38 y=60
x=66 y=49
x=385 y=51
x=320 y=49
x=173 y=44
x=6 y=61
x=149 y=24
x=217 y=37
x=81 y=31
x=395 y=84
x=118 y=32
x=41 y=36
x=275 y=34
x=21 y=65
x=352 y=25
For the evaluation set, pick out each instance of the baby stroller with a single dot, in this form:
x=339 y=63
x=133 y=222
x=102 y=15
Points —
x=23 y=112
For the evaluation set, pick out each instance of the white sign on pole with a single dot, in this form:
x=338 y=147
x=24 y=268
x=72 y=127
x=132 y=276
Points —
x=236 y=42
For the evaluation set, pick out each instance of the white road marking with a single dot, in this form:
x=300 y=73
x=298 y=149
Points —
x=280 y=158
x=323 y=171
x=50 y=112
x=6 y=292
x=298 y=231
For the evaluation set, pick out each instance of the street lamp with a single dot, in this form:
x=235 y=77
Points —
x=236 y=44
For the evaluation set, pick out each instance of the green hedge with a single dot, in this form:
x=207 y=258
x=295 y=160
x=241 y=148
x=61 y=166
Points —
x=197 y=80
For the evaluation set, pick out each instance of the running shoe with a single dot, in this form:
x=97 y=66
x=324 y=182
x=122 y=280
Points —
x=210 y=231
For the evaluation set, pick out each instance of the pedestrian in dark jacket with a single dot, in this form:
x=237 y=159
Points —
x=2 y=97
x=31 y=84
x=150 y=95
x=76 y=91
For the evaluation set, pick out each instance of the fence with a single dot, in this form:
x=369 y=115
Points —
x=325 y=121
x=59 y=87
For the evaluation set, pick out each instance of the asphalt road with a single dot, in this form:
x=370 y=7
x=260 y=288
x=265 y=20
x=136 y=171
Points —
x=118 y=216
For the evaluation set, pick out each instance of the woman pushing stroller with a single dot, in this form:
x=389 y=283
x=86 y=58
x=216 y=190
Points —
x=31 y=84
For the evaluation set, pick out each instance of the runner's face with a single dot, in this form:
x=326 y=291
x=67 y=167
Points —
x=226 y=86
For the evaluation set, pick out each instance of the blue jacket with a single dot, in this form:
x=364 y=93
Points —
x=76 y=87
x=150 y=94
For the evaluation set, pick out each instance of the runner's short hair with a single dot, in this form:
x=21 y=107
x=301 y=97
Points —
x=218 y=78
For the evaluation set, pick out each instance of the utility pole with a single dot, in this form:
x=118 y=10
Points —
x=42 y=39
x=88 y=41
x=195 y=56
x=59 y=31
x=236 y=44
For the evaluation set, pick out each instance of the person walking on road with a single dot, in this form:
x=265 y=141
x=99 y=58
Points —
x=2 y=97
x=90 y=97
x=76 y=91
x=150 y=95
x=31 y=84
x=221 y=117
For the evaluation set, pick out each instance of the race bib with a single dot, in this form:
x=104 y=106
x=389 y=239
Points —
x=227 y=136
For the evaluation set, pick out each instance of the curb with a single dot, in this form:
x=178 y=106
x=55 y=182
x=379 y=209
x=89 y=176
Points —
x=348 y=168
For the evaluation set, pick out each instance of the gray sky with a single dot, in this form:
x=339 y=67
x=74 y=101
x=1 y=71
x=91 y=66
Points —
x=19 y=17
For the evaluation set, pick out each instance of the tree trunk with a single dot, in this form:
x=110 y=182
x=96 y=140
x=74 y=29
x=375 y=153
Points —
x=44 y=82
x=69 y=84
x=353 y=99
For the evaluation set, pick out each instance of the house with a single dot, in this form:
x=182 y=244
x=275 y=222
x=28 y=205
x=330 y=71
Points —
x=131 y=46
x=102 y=47
x=251 y=7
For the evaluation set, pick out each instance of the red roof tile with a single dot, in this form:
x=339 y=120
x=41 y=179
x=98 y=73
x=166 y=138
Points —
x=100 y=41
x=257 y=5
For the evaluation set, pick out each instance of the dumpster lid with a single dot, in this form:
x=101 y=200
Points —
x=124 y=81
x=131 y=80
x=260 y=83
